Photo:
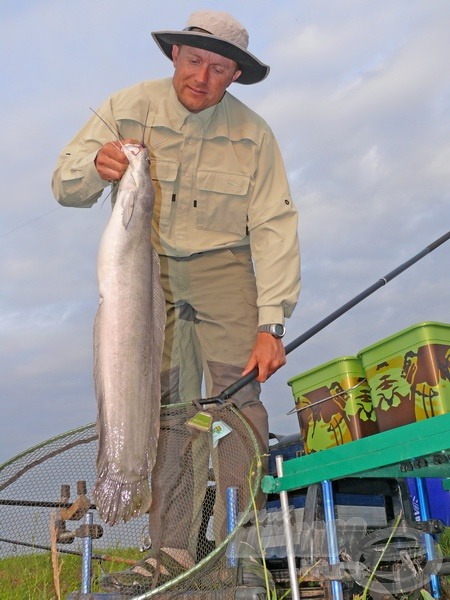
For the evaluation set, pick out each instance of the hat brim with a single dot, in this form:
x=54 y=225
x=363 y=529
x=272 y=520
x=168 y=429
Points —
x=253 y=70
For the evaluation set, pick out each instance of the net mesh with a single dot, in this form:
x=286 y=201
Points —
x=196 y=470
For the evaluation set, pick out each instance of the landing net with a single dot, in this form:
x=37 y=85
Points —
x=196 y=467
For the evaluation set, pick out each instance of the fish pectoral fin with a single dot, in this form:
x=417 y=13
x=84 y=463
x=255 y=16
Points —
x=128 y=207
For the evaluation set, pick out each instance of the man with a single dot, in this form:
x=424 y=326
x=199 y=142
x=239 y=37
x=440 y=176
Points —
x=224 y=223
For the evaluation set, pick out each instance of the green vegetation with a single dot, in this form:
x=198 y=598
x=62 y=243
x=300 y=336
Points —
x=30 y=576
x=444 y=543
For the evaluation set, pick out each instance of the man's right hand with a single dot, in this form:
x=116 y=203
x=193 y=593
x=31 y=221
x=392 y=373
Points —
x=111 y=162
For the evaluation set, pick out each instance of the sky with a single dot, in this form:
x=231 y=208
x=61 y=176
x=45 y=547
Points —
x=359 y=100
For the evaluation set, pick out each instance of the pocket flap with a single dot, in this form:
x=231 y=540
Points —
x=223 y=183
x=164 y=170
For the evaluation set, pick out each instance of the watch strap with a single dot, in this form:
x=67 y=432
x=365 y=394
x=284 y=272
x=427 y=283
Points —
x=276 y=329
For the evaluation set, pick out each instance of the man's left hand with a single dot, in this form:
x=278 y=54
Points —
x=267 y=355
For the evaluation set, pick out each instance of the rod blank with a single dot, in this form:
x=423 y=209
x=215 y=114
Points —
x=243 y=381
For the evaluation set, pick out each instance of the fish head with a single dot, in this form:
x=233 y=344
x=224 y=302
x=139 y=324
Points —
x=136 y=152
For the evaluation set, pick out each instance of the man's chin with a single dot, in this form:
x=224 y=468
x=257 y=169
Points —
x=194 y=101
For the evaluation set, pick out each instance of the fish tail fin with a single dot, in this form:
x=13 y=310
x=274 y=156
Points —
x=120 y=500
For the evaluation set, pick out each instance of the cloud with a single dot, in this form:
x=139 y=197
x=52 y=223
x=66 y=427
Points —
x=359 y=99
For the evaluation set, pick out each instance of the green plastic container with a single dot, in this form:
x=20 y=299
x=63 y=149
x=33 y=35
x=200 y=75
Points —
x=409 y=374
x=333 y=404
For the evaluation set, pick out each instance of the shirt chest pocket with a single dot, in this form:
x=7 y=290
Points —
x=164 y=177
x=222 y=200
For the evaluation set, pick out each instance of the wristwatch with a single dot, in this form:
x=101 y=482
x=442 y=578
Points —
x=276 y=329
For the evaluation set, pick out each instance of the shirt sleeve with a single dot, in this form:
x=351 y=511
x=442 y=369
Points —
x=272 y=224
x=76 y=181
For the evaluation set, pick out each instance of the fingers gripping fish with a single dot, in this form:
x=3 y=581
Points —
x=128 y=343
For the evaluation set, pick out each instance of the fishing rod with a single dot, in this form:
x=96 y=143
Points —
x=243 y=381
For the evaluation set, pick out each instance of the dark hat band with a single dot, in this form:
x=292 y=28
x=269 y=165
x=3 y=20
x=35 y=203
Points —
x=197 y=29
x=253 y=70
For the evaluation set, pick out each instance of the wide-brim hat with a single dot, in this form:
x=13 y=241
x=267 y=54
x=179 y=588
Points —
x=220 y=33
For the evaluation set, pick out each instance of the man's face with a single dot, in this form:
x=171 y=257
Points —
x=201 y=77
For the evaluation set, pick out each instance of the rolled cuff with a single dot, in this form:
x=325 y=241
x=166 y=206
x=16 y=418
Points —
x=270 y=314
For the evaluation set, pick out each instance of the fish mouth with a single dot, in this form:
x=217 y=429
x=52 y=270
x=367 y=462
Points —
x=136 y=148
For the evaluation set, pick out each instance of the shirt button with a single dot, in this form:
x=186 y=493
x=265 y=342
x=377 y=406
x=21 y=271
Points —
x=180 y=237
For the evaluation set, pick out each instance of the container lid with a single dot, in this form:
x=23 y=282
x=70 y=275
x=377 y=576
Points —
x=322 y=367
x=403 y=332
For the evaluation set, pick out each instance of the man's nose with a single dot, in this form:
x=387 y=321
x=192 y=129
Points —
x=202 y=74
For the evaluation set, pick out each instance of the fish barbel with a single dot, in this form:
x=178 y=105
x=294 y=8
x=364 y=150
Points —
x=128 y=343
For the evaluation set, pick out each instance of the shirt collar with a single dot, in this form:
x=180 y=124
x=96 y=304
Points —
x=172 y=111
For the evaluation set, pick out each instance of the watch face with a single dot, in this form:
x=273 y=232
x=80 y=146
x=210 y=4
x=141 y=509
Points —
x=278 y=330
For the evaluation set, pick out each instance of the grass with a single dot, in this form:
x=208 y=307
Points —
x=30 y=576
x=444 y=543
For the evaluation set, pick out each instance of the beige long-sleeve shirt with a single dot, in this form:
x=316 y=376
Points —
x=219 y=182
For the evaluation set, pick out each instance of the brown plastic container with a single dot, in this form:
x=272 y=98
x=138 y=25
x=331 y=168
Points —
x=333 y=404
x=409 y=374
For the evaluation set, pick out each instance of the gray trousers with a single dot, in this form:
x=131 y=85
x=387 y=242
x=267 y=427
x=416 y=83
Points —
x=210 y=330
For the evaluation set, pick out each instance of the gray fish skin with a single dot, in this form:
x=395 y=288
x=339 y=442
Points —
x=128 y=343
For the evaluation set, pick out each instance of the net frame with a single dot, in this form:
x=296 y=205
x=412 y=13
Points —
x=19 y=466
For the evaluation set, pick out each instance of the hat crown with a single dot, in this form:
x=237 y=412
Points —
x=221 y=25
x=220 y=33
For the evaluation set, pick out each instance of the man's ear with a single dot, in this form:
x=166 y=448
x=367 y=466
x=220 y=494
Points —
x=236 y=75
x=175 y=52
